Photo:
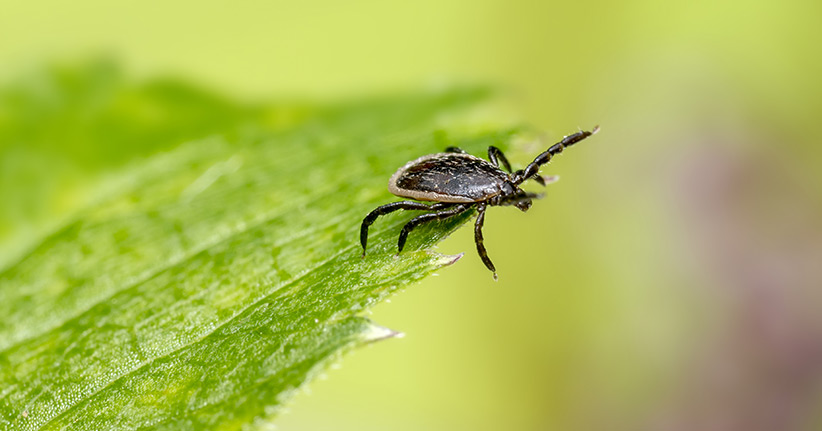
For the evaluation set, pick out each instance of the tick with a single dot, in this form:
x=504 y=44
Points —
x=457 y=182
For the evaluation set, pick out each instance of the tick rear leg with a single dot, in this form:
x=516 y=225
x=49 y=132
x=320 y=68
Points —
x=387 y=209
x=455 y=150
x=496 y=157
x=479 y=240
x=416 y=221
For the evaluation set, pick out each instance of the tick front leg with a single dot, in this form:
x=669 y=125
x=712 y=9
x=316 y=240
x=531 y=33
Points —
x=543 y=181
x=416 y=221
x=496 y=157
x=478 y=239
x=386 y=209
x=533 y=168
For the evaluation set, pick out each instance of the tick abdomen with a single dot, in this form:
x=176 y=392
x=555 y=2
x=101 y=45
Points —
x=448 y=177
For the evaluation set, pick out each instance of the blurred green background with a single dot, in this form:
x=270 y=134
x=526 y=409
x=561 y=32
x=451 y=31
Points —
x=671 y=279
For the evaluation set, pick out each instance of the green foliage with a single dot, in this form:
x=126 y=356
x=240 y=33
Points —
x=196 y=285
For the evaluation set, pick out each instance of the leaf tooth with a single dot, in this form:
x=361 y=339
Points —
x=376 y=332
x=442 y=260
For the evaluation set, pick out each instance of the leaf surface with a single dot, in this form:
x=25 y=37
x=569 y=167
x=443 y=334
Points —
x=208 y=279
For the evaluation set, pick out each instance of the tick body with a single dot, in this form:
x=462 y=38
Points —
x=457 y=182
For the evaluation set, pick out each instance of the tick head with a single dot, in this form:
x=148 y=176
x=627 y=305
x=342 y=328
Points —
x=514 y=196
x=521 y=199
x=523 y=205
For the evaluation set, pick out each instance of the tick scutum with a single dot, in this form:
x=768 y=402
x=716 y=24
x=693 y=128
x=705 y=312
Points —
x=448 y=177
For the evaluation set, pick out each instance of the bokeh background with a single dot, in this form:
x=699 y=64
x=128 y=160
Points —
x=672 y=280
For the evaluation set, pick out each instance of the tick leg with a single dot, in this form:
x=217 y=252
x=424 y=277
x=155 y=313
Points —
x=543 y=181
x=496 y=157
x=533 y=168
x=478 y=239
x=389 y=208
x=455 y=150
x=416 y=221
x=519 y=197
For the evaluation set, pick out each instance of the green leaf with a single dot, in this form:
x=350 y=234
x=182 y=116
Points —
x=196 y=285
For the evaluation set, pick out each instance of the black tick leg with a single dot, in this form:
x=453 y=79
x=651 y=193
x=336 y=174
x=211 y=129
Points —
x=455 y=150
x=416 y=221
x=533 y=168
x=496 y=157
x=538 y=178
x=478 y=239
x=389 y=208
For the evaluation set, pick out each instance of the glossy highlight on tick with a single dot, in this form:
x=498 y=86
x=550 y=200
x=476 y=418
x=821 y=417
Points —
x=457 y=181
